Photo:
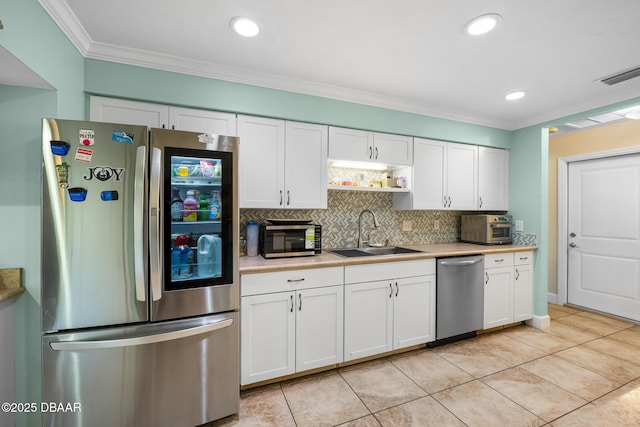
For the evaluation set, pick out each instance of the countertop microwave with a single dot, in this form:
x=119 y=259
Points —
x=289 y=240
x=486 y=229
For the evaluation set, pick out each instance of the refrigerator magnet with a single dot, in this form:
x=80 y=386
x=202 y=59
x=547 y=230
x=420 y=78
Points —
x=121 y=136
x=62 y=170
x=77 y=194
x=83 y=154
x=87 y=137
x=108 y=196
x=59 y=148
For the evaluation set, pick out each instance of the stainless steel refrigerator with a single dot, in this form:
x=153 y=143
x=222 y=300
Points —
x=140 y=296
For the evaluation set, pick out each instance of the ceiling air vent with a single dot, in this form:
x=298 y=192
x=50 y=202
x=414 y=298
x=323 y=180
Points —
x=621 y=77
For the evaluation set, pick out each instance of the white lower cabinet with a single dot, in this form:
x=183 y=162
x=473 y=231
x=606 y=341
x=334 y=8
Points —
x=508 y=290
x=291 y=321
x=394 y=311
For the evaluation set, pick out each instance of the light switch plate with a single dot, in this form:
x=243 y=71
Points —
x=519 y=225
x=407 y=225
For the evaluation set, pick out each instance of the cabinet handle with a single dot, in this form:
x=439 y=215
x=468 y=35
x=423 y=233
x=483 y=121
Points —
x=390 y=290
x=291 y=304
x=295 y=280
x=173 y=127
x=376 y=153
x=524 y=258
x=288 y=198
x=444 y=201
x=449 y=202
x=486 y=282
x=480 y=202
x=299 y=302
x=370 y=153
x=517 y=274
x=163 y=126
x=280 y=197
x=499 y=260
x=397 y=289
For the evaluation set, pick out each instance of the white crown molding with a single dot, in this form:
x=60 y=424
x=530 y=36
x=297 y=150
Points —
x=64 y=17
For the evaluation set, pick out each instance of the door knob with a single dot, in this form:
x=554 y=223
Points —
x=573 y=245
x=572 y=234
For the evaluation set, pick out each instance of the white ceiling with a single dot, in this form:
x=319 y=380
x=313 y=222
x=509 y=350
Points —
x=409 y=55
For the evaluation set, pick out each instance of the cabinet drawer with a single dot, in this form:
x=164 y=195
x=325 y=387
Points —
x=281 y=281
x=388 y=270
x=523 y=258
x=498 y=260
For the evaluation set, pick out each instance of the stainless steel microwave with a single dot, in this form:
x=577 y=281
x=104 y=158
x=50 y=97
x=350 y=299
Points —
x=486 y=229
x=289 y=240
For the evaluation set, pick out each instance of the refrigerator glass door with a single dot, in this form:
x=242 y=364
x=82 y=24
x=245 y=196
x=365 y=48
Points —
x=199 y=186
x=93 y=224
x=193 y=225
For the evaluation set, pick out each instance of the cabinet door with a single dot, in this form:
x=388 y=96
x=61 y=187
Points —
x=462 y=172
x=498 y=296
x=414 y=311
x=112 y=110
x=267 y=338
x=368 y=326
x=523 y=292
x=350 y=144
x=319 y=327
x=493 y=179
x=392 y=149
x=305 y=166
x=202 y=121
x=261 y=162
x=429 y=171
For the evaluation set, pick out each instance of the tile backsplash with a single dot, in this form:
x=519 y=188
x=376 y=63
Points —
x=340 y=220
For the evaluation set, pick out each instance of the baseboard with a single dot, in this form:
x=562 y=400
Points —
x=552 y=298
x=540 y=322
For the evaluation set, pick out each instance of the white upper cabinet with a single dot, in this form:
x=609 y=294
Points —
x=112 y=110
x=202 y=121
x=373 y=147
x=282 y=164
x=493 y=179
x=444 y=176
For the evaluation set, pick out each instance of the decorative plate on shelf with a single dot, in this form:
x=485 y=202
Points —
x=288 y=221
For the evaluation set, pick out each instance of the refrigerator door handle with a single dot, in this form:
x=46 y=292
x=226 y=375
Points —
x=138 y=223
x=134 y=341
x=154 y=223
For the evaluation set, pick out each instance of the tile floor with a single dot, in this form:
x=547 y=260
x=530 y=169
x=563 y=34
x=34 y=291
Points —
x=582 y=371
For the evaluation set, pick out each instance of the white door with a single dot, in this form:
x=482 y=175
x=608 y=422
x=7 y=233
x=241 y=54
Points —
x=604 y=235
x=112 y=110
x=414 y=311
x=462 y=172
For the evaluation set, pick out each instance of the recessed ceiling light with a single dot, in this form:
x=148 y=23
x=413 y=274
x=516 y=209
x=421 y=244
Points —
x=482 y=24
x=245 y=26
x=514 y=95
x=633 y=115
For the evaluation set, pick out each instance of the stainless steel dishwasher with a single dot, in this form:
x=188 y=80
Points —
x=459 y=296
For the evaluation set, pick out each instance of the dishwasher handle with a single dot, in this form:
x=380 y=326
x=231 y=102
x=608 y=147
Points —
x=460 y=262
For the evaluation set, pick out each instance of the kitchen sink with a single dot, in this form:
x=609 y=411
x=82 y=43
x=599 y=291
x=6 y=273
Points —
x=368 y=251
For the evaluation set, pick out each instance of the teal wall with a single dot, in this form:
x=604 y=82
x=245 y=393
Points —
x=529 y=198
x=126 y=81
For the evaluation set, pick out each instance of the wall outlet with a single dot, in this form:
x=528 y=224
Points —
x=436 y=224
x=407 y=225
x=519 y=225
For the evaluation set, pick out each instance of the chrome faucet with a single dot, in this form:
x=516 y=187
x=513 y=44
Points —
x=361 y=242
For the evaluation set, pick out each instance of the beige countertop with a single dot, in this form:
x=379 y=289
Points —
x=258 y=264
x=10 y=283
